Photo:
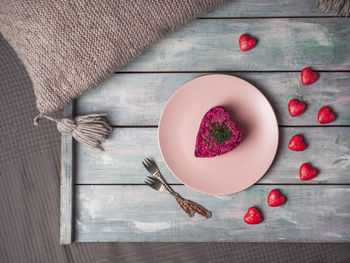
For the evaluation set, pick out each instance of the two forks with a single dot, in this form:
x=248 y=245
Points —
x=157 y=182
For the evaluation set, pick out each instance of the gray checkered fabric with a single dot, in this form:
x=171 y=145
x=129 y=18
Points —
x=29 y=200
x=18 y=136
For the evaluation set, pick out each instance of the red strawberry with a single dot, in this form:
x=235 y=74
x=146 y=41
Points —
x=275 y=198
x=253 y=216
x=296 y=107
x=297 y=143
x=325 y=115
x=246 y=42
x=307 y=172
x=308 y=76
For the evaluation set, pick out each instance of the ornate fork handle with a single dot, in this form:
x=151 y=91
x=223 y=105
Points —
x=181 y=201
x=199 y=209
x=185 y=206
x=189 y=206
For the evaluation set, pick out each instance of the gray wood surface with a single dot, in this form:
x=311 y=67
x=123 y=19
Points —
x=283 y=44
x=311 y=213
x=113 y=204
x=120 y=163
x=268 y=8
x=138 y=99
x=66 y=184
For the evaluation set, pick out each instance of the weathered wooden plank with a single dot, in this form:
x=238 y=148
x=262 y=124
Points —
x=120 y=163
x=138 y=99
x=284 y=44
x=269 y=8
x=66 y=189
x=138 y=213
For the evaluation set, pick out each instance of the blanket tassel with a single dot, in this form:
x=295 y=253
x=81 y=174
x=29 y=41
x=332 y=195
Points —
x=91 y=129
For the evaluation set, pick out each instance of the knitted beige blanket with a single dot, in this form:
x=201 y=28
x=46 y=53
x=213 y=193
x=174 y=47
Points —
x=69 y=47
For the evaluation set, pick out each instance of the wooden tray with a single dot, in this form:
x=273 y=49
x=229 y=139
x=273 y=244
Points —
x=111 y=202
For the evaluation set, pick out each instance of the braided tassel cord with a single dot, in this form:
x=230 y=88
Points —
x=91 y=129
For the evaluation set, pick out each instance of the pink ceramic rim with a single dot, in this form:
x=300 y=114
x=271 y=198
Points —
x=185 y=86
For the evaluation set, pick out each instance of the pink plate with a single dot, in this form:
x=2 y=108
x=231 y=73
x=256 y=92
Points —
x=233 y=171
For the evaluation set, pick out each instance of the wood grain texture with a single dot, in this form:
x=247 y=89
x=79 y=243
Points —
x=113 y=213
x=283 y=45
x=269 y=8
x=136 y=96
x=66 y=188
x=138 y=99
x=120 y=163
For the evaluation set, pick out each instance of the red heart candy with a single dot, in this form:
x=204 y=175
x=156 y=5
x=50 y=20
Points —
x=297 y=143
x=253 y=216
x=246 y=42
x=307 y=172
x=325 y=115
x=296 y=107
x=308 y=76
x=275 y=198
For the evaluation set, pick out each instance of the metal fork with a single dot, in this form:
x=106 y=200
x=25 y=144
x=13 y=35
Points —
x=153 y=169
x=161 y=185
x=156 y=184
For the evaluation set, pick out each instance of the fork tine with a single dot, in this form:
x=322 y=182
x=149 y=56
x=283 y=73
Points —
x=146 y=166
x=151 y=162
x=152 y=179
x=147 y=162
x=149 y=182
x=150 y=185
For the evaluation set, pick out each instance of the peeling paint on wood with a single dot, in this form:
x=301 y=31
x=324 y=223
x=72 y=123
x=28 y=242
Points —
x=268 y=8
x=128 y=212
x=66 y=191
x=311 y=213
x=138 y=99
x=120 y=163
x=283 y=44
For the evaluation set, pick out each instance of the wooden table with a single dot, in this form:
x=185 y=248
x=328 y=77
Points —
x=111 y=202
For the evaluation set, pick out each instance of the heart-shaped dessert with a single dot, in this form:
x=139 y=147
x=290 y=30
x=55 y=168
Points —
x=308 y=76
x=325 y=115
x=253 y=216
x=217 y=134
x=275 y=198
x=297 y=143
x=307 y=172
x=246 y=42
x=296 y=107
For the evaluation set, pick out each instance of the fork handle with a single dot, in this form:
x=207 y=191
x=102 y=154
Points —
x=184 y=206
x=189 y=206
x=182 y=202
x=199 y=209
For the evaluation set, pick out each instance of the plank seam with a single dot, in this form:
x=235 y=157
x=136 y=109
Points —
x=280 y=126
x=179 y=184
x=222 y=71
